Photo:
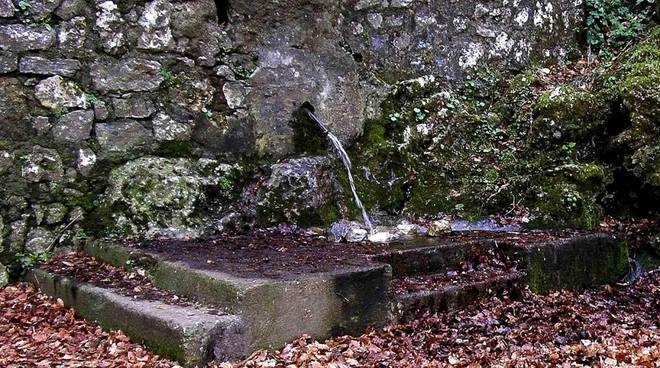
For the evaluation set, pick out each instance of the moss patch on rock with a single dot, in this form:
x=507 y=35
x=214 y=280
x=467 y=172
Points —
x=495 y=144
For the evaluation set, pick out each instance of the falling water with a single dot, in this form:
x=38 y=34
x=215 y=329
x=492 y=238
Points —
x=347 y=164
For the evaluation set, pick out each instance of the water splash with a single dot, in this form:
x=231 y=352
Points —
x=347 y=164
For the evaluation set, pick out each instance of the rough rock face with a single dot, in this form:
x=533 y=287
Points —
x=56 y=92
x=39 y=65
x=88 y=87
x=74 y=127
x=298 y=191
x=4 y=276
x=123 y=139
x=333 y=66
x=158 y=196
x=19 y=37
x=130 y=75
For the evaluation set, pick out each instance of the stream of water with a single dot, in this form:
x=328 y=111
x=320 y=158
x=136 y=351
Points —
x=347 y=164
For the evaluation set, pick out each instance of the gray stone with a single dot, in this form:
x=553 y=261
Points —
x=207 y=45
x=43 y=164
x=123 y=137
x=155 y=25
x=235 y=93
x=39 y=65
x=338 y=231
x=13 y=100
x=41 y=124
x=133 y=106
x=406 y=228
x=40 y=9
x=74 y=127
x=439 y=228
x=56 y=213
x=4 y=276
x=192 y=95
x=7 y=8
x=72 y=35
x=356 y=235
x=299 y=190
x=193 y=334
x=70 y=8
x=383 y=234
x=287 y=77
x=19 y=37
x=129 y=75
x=39 y=212
x=109 y=25
x=39 y=239
x=56 y=92
x=100 y=110
x=6 y=161
x=8 y=62
x=85 y=160
x=167 y=129
x=18 y=233
x=161 y=194
x=190 y=16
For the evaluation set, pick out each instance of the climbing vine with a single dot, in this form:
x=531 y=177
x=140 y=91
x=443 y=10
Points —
x=611 y=24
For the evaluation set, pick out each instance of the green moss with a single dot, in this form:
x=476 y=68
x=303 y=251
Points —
x=196 y=285
x=565 y=114
x=563 y=205
x=572 y=265
x=538 y=278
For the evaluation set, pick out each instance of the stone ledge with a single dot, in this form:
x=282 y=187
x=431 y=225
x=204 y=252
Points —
x=190 y=335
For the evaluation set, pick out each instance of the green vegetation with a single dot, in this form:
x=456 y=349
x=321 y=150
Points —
x=611 y=24
x=493 y=145
x=28 y=260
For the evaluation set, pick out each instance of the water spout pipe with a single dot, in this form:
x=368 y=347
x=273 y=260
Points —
x=316 y=121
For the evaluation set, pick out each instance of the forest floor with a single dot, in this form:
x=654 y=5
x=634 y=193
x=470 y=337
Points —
x=611 y=326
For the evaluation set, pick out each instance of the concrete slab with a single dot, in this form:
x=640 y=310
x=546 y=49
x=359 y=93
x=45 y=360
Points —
x=192 y=336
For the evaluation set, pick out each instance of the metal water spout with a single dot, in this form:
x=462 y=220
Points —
x=345 y=160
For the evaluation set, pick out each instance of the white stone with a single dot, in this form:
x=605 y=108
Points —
x=86 y=158
x=439 y=228
x=56 y=92
x=356 y=235
x=166 y=129
x=471 y=55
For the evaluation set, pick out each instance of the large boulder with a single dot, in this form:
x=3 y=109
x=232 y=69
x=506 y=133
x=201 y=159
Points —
x=301 y=191
x=154 y=196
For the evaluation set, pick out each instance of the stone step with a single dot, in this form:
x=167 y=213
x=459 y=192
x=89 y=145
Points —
x=562 y=261
x=428 y=256
x=448 y=296
x=275 y=311
x=193 y=336
x=272 y=310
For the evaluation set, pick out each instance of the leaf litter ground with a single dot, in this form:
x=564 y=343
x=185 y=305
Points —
x=608 y=327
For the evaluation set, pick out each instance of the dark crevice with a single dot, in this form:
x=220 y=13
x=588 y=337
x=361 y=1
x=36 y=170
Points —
x=222 y=8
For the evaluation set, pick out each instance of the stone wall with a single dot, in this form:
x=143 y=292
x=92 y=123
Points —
x=149 y=116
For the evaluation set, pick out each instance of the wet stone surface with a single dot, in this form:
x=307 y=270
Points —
x=286 y=254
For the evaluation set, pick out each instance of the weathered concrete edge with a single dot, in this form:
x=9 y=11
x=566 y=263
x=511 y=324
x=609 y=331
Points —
x=572 y=263
x=276 y=311
x=209 y=286
x=188 y=335
x=431 y=257
x=404 y=307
